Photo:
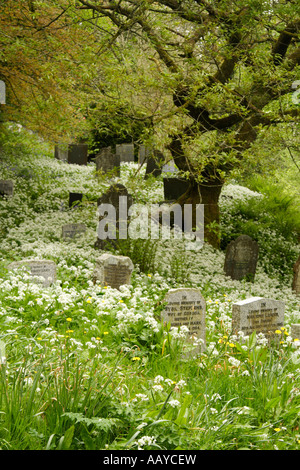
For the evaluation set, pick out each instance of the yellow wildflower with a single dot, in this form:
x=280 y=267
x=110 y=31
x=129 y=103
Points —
x=69 y=319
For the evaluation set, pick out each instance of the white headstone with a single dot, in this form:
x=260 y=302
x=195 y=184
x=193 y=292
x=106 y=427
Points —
x=258 y=314
x=186 y=307
x=44 y=269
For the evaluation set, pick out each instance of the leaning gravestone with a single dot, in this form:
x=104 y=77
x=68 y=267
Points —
x=6 y=187
x=72 y=230
x=174 y=188
x=107 y=161
x=241 y=258
x=186 y=307
x=78 y=154
x=258 y=314
x=113 y=209
x=45 y=269
x=296 y=279
x=112 y=270
x=125 y=152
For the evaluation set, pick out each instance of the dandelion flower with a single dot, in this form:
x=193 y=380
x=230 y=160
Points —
x=69 y=319
x=278 y=332
x=136 y=358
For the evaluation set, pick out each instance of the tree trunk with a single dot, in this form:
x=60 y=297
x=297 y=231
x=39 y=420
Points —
x=208 y=195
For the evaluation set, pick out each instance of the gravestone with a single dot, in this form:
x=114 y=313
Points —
x=295 y=331
x=78 y=154
x=73 y=230
x=61 y=152
x=258 y=314
x=113 y=209
x=6 y=187
x=125 y=152
x=155 y=160
x=174 y=188
x=241 y=258
x=107 y=161
x=296 y=278
x=113 y=271
x=186 y=307
x=42 y=268
x=75 y=199
x=169 y=167
x=143 y=153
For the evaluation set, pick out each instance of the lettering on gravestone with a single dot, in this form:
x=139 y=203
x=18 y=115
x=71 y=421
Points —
x=44 y=269
x=72 y=230
x=258 y=314
x=241 y=258
x=186 y=307
x=112 y=270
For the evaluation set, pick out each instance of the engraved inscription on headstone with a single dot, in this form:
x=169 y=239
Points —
x=241 y=258
x=45 y=269
x=6 y=188
x=72 y=230
x=258 y=314
x=2 y=92
x=112 y=270
x=296 y=279
x=107 y=161
x=186 y=307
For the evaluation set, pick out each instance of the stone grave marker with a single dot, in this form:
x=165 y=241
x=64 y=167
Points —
x=296 y=278
x=169 y=167
x=258 y=314
x=187 y=307
x=143 y=153
x=73 y=230
x=107 y=161
x=113 y=208
x=78 y=154
x=241 y=258
x=6 y=187
x=112 y=270
x=125 y=152
x=42 y=268
x=75 y=199
x=174 y=188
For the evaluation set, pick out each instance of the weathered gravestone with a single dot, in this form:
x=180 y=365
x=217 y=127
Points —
x=241 y=258
x=44 y=269
x=107 y=161
x=6 y=188
x=186 y=307
x=72 y=230
x=174 y=188
x=296 y=279
x=113 y=216
x=78 y=154
x=75 y=199
x=258 y=314
x=169 y=167
x=112 y=270
x=125 y=152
